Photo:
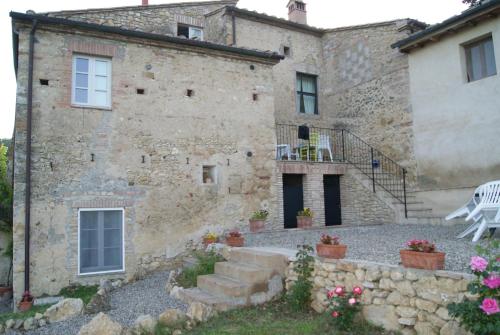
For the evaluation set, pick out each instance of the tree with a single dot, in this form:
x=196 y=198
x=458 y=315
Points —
x=472 y=3
x=5 y=205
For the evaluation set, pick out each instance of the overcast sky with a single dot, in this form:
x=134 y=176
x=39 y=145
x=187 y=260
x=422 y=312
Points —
x=321 y=13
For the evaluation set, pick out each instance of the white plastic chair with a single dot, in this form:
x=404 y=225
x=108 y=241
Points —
x=283 y=149
x=489 y=207
x=324 y=144
x=466 y=210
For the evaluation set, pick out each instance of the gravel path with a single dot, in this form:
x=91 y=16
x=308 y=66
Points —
x=146 y=296
x=378 y=243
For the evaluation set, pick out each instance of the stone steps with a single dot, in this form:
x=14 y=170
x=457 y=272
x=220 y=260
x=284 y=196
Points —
x=251 y=276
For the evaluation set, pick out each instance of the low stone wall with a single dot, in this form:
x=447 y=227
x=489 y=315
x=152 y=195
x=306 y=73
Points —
x=408 y=300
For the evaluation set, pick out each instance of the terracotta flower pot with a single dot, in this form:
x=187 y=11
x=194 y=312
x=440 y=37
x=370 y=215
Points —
x=257 y=225
x=331 y=251
x=422 y=260
x=25 y=306
x=304 y=221
x=207 y=241
x=235 y=241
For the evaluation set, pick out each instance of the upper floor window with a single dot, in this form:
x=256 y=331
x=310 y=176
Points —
x=307 y=97
x=193 y=33
x=91 y=81
x=480 y=58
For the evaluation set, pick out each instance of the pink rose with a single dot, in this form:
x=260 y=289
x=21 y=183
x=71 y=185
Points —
x=339 y=290
x=493 y=281
x=357 y=290
x=490 y=306
x=335 y=314
x=478 y=264
x=351 y=301
x=330 y=294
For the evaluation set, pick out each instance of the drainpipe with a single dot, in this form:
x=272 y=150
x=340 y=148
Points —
x=27 y=191
x=233 y=18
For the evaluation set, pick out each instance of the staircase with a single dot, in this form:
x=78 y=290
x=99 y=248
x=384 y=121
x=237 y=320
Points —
x=251 y=276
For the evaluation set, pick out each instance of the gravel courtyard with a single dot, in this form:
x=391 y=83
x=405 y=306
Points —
x=146 y=296
x=378 y=243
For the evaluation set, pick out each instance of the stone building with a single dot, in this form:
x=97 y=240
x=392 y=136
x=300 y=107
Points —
x=138 y=129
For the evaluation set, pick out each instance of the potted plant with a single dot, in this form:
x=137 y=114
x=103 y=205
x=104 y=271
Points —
x=258 y=220
x=209 y=238
x=26 y=302
x=422 y=255
x=304 y=218
x=235 y=239
x=330 y=247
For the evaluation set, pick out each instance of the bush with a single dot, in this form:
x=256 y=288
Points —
x=343 y=306
x=79 y=292
x=482 y=316
x=206 y=265
x=299 y=296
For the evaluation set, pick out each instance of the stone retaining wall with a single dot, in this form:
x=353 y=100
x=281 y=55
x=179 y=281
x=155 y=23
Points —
x=407 y=300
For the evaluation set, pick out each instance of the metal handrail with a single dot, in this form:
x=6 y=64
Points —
x=349 y=148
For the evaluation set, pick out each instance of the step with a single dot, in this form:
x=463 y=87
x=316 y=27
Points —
x=225 y=286
x=219 y=303
x=275 y=261
x=246 y=273
x=419 y=212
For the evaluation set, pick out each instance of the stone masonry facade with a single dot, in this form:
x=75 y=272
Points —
x=146 y=154
x=410 y=301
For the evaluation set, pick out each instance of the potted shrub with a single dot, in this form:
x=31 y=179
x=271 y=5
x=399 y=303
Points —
x=235 y=239
x=330 y=247
x=422 y=255
x=26 y=302
x=209 y=238
x=258 y=220
x=304 y=218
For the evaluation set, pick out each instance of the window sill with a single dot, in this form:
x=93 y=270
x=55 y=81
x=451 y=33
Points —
x=113 y=272
x=91 y=107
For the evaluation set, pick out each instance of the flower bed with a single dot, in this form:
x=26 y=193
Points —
x=393 y=297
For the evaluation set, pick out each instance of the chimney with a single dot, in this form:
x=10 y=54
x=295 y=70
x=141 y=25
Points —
x=145 y=2
x=297 y=11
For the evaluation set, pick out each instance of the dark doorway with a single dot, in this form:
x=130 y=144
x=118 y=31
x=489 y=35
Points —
x=293 y=198
x=331 y=186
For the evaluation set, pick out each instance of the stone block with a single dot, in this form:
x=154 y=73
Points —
x=383 y=316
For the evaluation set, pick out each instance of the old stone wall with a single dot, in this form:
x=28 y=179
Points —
x=148 y=151
x=5 y=274
x=159 y=19
x=406 y=300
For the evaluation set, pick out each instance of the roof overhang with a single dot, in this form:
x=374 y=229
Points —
x=193 y=45
x=467 y=19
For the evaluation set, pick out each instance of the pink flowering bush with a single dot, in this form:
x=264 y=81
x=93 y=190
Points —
x=482 y=316
x=343 y=306
x=421 y=246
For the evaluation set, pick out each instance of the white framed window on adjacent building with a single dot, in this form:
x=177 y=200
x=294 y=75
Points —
x=91 y=85
x=480 y=58
x=101 y=240
x=192 y=33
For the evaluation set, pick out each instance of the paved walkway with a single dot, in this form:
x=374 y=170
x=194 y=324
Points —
x=380 y=243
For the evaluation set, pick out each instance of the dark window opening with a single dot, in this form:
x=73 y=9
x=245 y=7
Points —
x=286 y=51
x=140 y=91
x=189 y=93
x=209 y=176
x=255 y=97
x=44 y=82
x=480 y=58
x=307 y=97
x=183 y=31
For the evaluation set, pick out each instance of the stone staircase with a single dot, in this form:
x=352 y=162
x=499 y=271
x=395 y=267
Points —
x=251 y=276
x=418 y=211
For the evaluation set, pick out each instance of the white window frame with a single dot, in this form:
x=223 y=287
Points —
x=191 y=29
x=123 y=240
x=91 y=82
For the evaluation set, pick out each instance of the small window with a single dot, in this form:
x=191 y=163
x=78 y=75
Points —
x=91 y=81
x=209 y=176
x=286 y=51
x=100 y=240
x=140 y=91
x=192 y=33
x=307 y=98
x=480 y=58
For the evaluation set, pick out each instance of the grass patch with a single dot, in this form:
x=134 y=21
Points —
x=278 y=319
x=23 y=315
x=79 y=292
x=205 y=266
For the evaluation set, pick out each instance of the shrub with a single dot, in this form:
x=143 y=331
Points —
x=299 y=296
x=206 y=265
x=330 y=239
x=260 y=215
x=234 y=233
x=343 y=306
x=482 y=316
x=421 y=246
x=306 y=212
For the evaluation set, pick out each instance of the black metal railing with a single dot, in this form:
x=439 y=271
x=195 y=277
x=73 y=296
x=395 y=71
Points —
x=340 y=145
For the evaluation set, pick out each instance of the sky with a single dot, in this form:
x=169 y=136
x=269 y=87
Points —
x=321 y=13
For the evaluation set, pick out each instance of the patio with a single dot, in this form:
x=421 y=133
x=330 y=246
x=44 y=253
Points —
x=378 y=243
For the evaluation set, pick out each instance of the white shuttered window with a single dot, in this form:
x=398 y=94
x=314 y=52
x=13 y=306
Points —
x=91 y=81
